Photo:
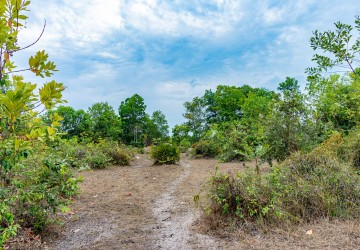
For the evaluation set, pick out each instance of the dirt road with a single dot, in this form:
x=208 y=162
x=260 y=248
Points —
x=151 y=207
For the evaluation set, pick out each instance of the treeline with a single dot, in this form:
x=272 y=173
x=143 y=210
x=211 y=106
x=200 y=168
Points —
x=243 y=123
x=131 y=125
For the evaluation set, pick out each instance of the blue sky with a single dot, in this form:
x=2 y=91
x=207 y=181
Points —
x=171 y=51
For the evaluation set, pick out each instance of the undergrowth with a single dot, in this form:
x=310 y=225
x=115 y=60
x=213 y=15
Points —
x=165 y=153
x=92 y=155
x=306 y=187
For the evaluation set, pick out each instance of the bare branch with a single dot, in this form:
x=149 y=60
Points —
x=28 y=46
x=16 y=71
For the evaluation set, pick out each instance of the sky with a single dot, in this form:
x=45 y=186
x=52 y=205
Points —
x=171 y=51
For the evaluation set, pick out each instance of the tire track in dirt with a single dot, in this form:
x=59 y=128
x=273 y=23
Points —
x=174 y=226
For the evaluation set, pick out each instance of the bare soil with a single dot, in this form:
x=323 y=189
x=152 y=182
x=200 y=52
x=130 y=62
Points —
x=151 y=207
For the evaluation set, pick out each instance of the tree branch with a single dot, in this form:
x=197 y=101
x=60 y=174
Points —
x=347 y=60
x=28 y=46
x=16 y=71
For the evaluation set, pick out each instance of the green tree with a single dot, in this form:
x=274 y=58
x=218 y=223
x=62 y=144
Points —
x=157 y=128
x=195 y=115
x=105 y=122
x=339 y=50
x=181 y=132
x=133 y=118
x=337 y=101
x=285 y=125
x=25 y=190
x=73 y=123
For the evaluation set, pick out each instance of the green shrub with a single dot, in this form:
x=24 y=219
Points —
x=119 y=154
x=184 y=144
x=91 y=155
x=165 y=153
x=206 y=149
x=41 y=185
x=349 y=151
x=304 y=188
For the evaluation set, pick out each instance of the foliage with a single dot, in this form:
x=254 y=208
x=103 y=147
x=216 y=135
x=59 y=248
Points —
x=206 y=148
x=181 y=132
x=133 y=117
x=32 y=186
x=184 y=145
x=74 y=123
x=40 y=185
x=156 y=128
x=336 y=100
x=304 y=188
x=165 y=153
x=119 y=154
x=285 y=125
x=338 y=50
x=195 y=115
x=349 y=151
x=92 y=155
x=104 y=122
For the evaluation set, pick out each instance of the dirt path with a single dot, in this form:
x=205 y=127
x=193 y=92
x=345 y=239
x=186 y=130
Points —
x=151 y=207
x=175 y=226
x=132 y=207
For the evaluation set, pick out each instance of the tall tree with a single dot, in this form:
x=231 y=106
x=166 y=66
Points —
x=195 y=115
x=284 y=126
x=157 y=128
x=74 y=122
x=133 y=118
x=105 y=122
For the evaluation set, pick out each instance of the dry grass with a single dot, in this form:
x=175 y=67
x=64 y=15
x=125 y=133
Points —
x=115 y=211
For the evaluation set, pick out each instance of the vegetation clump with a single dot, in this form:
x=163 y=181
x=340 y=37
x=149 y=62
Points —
x=165 y=153
x=206 y=149
x=306 y=187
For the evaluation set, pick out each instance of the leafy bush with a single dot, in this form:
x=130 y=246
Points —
x=119 y=155
x=304 y=188
x=165 y=153
x=184 y=145
x=350 y=149
x=41 y=185
x=205 y=148
x=91 y=155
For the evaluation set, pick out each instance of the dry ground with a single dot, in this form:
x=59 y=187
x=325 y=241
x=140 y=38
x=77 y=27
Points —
x=151 y=207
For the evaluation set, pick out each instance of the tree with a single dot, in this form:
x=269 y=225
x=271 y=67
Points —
x=105 y=122
x=133 y=118
x=195 y=115
x=337 y=101
x=180 y=132
x=339 y=51
x=285 y=123
x=23 y=186
x=229 y=101
x=157 y=128
x=74 y=122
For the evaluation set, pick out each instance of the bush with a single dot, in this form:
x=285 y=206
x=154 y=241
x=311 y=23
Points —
x=349 y=151
x=165 y=153
x=41 y=185
x=184 y=145
x=206 y=149
x=119 y=155
x=304 y=188
x=90 y=155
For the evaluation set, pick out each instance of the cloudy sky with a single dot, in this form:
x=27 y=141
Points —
x=170 y=51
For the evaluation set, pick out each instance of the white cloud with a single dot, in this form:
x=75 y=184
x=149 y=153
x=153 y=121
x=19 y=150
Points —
x=175 y=19
x=109 y=50
x=80 y=23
